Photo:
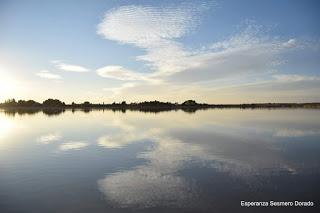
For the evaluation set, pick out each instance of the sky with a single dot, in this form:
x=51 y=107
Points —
x=212 y=51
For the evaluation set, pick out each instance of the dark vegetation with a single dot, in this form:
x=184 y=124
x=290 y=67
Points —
x=55 y=106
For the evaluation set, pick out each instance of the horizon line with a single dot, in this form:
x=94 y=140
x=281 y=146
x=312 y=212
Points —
x=148 y=101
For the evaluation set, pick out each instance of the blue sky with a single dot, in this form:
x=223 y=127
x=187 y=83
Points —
x=211 y=51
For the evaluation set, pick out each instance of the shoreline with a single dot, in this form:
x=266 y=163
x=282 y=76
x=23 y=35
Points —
x=56 y=110
x=169 y=106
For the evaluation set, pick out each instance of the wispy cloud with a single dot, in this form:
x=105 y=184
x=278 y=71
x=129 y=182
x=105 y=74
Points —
x=48 y=75
x=73 y=145
x=249 y=53
x=119 y=73
x=118 y=90
x=294 y=78
x=69 y=67
x=290 y=43
x=147 y=26
x=156 y=29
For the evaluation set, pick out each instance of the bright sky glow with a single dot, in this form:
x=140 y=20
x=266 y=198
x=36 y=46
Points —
x=8 y=86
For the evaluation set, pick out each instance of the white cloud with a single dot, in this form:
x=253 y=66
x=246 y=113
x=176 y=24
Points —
x=290 y=43
x=69 y=67
x=48 y=75
x=73 y=145
x=246 y=53
x=179 y=71
x=294 y=78
x=119 y=72
x=146 y=26
x=156 y=29
x=48 y=138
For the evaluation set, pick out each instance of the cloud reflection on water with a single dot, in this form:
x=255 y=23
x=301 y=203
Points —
x=234 y=148
x=49 y=138
x=296 y=132
x=169 y=159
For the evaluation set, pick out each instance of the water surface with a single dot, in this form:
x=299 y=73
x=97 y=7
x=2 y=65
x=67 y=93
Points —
x=207 y=161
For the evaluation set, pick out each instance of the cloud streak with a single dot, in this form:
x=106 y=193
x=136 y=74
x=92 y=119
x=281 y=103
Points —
x=294 y=78
x=73 y=145
x=69 y=67
x=119 y=73
x=48 y=75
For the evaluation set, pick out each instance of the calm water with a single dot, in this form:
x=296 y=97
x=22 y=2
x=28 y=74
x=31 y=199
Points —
x=206 y=161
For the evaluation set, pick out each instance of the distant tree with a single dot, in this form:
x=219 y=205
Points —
x=29 y=103
x=86 y=104
x=10 y=102
x=123 y=103
x=53 y=103
x=189 y=103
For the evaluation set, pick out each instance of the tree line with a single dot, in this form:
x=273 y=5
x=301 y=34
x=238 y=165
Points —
x=188 y=105
x=56 y=103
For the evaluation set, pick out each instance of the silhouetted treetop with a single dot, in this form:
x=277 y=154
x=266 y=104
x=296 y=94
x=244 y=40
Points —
x=189 y=103
x=29 y=103
x=86 y=104
x=10 y=102
x=53 y=103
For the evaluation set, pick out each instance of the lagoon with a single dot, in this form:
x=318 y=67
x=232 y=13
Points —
x=173 y=161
